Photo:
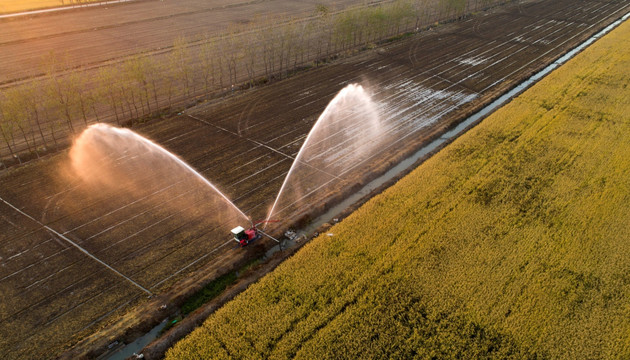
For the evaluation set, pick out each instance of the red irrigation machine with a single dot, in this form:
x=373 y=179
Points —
x=246 y=236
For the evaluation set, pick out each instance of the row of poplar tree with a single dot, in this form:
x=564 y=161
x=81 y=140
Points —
x=46 y=112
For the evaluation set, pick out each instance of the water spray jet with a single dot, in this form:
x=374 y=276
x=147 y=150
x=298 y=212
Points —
x=336 y=149
x=107 y=157
x=344 y=137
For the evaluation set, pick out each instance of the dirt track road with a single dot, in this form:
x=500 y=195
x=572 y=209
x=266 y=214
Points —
x=50 y=292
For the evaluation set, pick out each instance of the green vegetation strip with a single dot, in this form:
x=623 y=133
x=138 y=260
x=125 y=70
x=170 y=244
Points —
x=512 y=242
x=208 y=292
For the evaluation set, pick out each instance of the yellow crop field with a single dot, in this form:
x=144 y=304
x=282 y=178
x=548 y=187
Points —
x=512 y=242
x=12 y=6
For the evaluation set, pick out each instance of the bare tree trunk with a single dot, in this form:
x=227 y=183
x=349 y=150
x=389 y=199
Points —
x=68 y=118
x=114 y=106
x=133 y=102
x=155 y=95
x=51 y=124
x=93 y=105
x=126 y=99
x=146 y=95
x=7 y=141
x=39 y=126
x=82 y=107
x=28 y=144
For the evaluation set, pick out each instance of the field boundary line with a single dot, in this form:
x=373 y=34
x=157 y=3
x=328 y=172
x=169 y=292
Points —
x=259 y=144
x=78 y=247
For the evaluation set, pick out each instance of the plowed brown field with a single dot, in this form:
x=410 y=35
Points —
x=96 y=35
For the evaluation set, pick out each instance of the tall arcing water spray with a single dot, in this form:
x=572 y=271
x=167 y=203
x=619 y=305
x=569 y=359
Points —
x=120 y=164
x=119 y=161
x=345 y=136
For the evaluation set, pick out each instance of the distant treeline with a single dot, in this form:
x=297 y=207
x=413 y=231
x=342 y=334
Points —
x=43 y=114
